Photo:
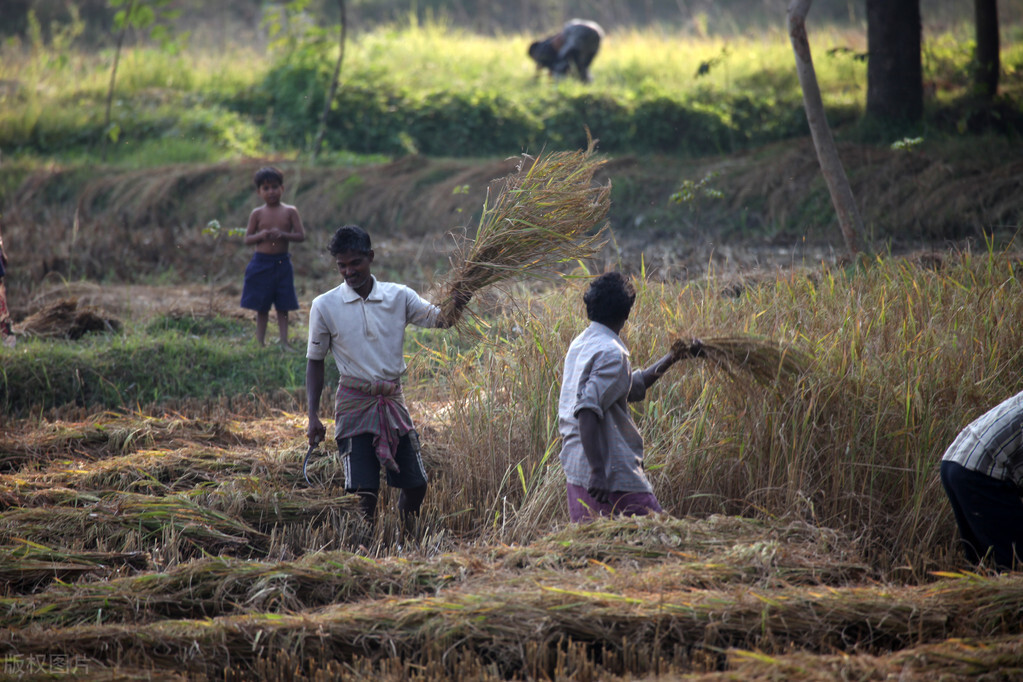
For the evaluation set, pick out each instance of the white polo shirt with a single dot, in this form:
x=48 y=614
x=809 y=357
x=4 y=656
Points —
x=366 y=335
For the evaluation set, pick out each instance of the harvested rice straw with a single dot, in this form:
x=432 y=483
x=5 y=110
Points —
x=65 y=319
x=544 y=214
x=765 y=361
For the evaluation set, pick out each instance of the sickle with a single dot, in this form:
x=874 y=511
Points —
x=305 y=463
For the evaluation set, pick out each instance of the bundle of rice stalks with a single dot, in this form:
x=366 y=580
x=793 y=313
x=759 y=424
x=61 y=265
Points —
x=709 y=552
x=263 y=504
x=128 y=521
x=159 y=471
x=544 y=214
x=110 y=434
x=26 y=565
x=766 y=362
x=956 y=658
x=218 y=586
x=64 y=319
x=627 y=632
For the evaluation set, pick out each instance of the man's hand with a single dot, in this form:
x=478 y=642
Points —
x=460 y=299
x=598 y=488
x=316 y=431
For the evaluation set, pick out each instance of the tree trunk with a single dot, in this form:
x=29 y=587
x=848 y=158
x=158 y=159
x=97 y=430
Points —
x=332 y=90
x=849 y=220
x=988 y=65
x=895 y=90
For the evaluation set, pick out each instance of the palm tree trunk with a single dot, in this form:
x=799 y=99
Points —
x=827 y=153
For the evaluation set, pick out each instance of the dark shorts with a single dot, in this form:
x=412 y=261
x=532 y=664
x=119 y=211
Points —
x=989 y=514
x=362 y=466
x=582 y=507
x=269 y=280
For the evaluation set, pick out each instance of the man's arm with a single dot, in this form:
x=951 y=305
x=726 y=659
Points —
x=316 y=431
x=657 y=370
x=595 y=449
x=651 y=374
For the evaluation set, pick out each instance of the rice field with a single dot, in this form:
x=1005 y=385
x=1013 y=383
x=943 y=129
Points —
x=150 y=530
x=806 y=536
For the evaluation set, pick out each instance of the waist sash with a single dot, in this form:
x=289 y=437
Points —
x=376 y=407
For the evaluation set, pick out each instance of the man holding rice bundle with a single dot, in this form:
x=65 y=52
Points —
x=602 y=450
x=362 y=324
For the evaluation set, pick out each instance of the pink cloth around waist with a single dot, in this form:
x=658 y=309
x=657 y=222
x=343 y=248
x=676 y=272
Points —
x=376 y=407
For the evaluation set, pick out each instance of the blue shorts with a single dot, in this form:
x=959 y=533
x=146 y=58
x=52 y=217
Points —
x=269 y=280
x=362 y=466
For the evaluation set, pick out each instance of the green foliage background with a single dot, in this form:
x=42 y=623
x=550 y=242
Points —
x=432 y=87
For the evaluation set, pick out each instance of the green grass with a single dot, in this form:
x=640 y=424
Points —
x=169 y=359
x=439 y=90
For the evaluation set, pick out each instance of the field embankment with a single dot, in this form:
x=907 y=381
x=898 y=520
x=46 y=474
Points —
x=752 y=211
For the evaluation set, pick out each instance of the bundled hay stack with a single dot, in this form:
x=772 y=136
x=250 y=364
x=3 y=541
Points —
x=546 y=213
x=766 y=362
x=64 y=319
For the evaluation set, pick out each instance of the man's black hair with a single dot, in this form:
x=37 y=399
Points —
x=609 y=299
x=349 y=238
x=268 y=174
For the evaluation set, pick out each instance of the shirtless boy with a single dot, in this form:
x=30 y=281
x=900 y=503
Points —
x=269 y=277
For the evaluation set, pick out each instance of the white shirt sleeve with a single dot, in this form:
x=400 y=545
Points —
x=419 y=311
x=319 y=335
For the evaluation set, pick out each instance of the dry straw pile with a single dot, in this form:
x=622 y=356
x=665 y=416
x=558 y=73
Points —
x=546 y=213
x=65 y=319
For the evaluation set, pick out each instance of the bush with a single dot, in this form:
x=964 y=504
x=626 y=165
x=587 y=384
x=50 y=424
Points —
x=608 y=120
x=666 y=125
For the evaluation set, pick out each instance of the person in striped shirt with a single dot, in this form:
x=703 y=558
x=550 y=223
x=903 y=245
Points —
x=982 y=473
x=361 y=323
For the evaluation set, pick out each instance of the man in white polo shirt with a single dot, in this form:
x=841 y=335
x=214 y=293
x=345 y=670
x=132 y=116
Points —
x=982 y=473
x=362 y=324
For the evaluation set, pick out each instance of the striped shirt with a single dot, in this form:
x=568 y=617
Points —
x=598 y=377
x=992 y=444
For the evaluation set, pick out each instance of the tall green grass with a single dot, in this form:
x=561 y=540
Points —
x=168 y=360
